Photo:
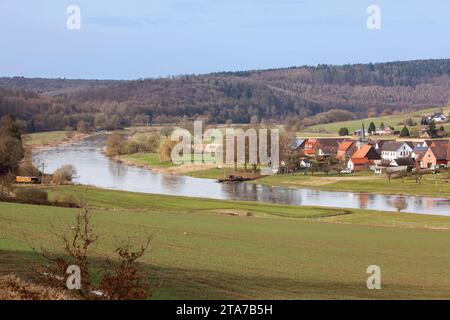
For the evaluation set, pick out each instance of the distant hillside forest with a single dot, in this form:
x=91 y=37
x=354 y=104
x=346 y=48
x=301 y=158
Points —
x=304 y=95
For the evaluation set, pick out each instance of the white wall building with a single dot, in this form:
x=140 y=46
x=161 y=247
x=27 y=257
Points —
x=395 y=149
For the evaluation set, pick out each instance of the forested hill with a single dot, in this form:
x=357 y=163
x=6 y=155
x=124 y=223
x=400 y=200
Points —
x=53 y=86
x=310 y=95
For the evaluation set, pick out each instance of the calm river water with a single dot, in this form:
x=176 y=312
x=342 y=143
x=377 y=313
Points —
x=94 y=168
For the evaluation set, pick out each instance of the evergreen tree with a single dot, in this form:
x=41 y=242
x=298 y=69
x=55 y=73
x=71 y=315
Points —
x=372 y=127
x=432 y=129
x=343 y=132
x=404 y=132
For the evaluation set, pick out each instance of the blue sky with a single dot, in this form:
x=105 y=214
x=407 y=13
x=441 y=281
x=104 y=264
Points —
x=151 y=38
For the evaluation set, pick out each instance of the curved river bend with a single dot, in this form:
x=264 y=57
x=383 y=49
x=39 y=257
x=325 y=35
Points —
x=94 y=168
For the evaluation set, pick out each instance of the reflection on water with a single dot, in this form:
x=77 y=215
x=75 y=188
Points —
x=94 y=168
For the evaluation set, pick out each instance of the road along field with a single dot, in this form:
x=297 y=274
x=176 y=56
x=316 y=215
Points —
x=208 y=249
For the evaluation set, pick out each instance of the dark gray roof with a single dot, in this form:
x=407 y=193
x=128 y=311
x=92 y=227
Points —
x=420 y=149
x=405 y=162
x=392 y=145
x=298 y=143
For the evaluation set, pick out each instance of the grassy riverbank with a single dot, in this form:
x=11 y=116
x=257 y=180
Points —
x=436 y=185
x=146 y=159
x=51 y=138
x=208 y=249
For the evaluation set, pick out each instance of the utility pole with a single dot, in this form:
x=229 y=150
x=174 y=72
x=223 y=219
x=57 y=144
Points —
x=147 y=120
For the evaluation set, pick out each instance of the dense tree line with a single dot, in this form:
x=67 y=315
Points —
x=11 y=149
x=312 y=95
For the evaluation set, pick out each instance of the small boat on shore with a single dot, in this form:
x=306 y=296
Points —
x=234 y=178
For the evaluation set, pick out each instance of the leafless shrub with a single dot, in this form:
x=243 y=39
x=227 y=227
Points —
x=32 y=194
x=400 y=204
x=166 y=149
x=418 y=175
x=77 y=243
x=122 y=281
x=5 y=186
x=115 y=144
x=64 y=175
x=119 y=280
x=28 y=169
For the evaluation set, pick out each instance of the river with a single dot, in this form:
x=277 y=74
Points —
x=94 y=168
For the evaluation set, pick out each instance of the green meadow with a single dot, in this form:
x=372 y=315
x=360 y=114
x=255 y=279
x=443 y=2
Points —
x=43 y=138
x=436 y=185
x=208 y=249
x=150 y=159
x=392 y=120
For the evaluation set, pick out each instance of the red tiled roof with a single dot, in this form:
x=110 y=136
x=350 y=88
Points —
x=360 y=160
x=362 y=153
x=420 y=157
x=345 y=145
x=440 y=150
x=448 y=151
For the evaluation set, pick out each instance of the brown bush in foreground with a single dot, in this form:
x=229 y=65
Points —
x=32 y=194
x=122 y=281
x=118 y=281
x=14 y=288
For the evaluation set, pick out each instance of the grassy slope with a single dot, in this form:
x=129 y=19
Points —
x=198 y=251
x=433 y=185
x=42 y=138
x=394 y=120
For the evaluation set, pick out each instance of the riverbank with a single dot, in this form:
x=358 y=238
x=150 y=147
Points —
x=151 y=161
x=51 y=139
x=94 y=168
x=435 y=185
x=210 y=249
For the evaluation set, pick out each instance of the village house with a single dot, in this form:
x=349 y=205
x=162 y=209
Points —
x=298 y=144
x=305 y=163
x=310 y=147
x=384 y=131
x=395 y=149
x=438 y=117
x=404 y=163
x=346 y=150
x=425 y=133
x=438 y=154
x=427 y=143
x=322 y=147
x=417 y=153
x=364 y=158
x=378 y=145
x=360 y=132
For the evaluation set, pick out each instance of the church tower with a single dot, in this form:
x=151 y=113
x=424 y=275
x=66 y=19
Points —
x=362 y=137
